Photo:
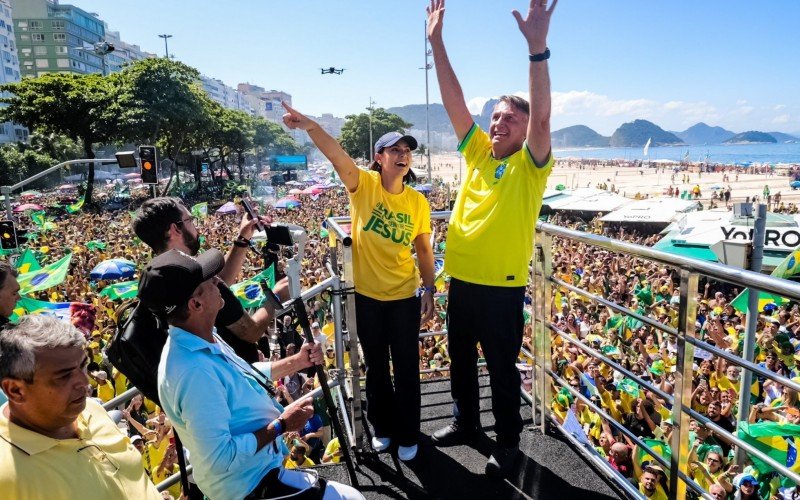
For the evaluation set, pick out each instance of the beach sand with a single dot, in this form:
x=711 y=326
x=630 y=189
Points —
x=631 y=180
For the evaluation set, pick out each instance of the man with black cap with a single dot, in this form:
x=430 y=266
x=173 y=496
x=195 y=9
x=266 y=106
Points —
x=165 y=223
x=225 y=416
x=490 y=235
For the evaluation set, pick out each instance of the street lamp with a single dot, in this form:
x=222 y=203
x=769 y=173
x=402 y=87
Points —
x=371 y=108
x=166 y=46
x=427 y=68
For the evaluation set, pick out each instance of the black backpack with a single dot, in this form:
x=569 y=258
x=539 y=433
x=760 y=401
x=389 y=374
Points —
x=135 y=349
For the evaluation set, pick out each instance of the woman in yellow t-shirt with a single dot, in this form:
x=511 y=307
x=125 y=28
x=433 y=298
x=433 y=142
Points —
x=388 y=217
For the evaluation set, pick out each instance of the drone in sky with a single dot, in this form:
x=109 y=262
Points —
x=332 y=71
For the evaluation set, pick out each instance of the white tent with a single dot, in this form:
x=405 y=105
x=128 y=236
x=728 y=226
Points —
x=651 y=210
x=588 y=200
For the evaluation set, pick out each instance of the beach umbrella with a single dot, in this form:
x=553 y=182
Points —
x=287 y=203
x=27 y=206
x=561 y=187
x=294 y=183
x=30 y=194
x=132 y=175
x=312 y=190
x=715 y=187
x=113 y=269
x=794 y=184
x=295 y=191
x=136 y=180
x=67 y=187
x=228 y=208
x=423 y=188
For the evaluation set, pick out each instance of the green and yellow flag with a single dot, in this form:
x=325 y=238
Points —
x=119 y=291
x=76 y=207
x=27 y=262
x=44 y=278
x=660 y=448
x=249 y=292
x=200 y=210
x=790 y=266
x=777 y=440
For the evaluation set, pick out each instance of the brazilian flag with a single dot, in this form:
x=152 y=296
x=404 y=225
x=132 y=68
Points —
x=249 y=292
x=44 y=278
x=27 y=262
x=76 y=207
x=777 y=440
x=789 y=267
x=119 y=291
x=661 y=449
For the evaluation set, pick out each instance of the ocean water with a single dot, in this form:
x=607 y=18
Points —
x=727 y=154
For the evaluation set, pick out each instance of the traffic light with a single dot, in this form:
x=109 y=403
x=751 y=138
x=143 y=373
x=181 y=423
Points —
x=8 y=235
x=147 y=155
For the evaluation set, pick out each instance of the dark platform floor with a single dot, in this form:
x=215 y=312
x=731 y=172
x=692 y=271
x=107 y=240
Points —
x=548 y=467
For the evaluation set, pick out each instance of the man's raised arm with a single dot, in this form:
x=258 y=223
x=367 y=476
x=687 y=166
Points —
x=534 y=28
x=452 y=95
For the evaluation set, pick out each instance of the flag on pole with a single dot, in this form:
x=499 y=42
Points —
x=647 y=146
x=44 y=278
x=249 y=292
x=27 y=262
x=38 y=218
x=200 y=210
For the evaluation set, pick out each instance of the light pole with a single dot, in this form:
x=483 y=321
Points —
x=166 y=46
x=427 y=68
x=371 y=149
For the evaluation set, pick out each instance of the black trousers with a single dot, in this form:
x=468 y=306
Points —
x=490 y=315
x=390 y=328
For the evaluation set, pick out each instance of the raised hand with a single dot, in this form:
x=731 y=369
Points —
x=295 y=119
x=535 y=26
x=435 y=18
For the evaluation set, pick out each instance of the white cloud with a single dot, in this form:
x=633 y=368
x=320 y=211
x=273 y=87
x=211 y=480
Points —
x=741 y=102
x=779 y=107
x=782 y=119
x=475 y=105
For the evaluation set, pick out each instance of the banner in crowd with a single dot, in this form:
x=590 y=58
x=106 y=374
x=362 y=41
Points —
x=44 y=278
x=249 y=292
x=661 y=448
x=777 y=440
x=200 y=210
x=790 y=266
x=27 y=262
x=82 y=316
x=95 y=245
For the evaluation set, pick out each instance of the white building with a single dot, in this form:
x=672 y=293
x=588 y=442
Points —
x=124 y=53
x=265 y=103
x=9 y=70
x=226 y=96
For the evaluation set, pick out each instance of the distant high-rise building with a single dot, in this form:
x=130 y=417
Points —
x=9 y=70
x=53 y=37
x=227 y=96
x=266 y=103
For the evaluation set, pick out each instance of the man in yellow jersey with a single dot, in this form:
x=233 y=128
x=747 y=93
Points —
x=490 y=236
x=54 y=441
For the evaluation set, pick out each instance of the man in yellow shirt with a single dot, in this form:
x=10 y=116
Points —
x=490 y=236
x=50 y=430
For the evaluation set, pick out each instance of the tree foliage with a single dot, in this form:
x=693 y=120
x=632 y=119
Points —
x=355 y=132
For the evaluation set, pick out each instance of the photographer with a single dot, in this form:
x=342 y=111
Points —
x=218 y=404
x=165 y=224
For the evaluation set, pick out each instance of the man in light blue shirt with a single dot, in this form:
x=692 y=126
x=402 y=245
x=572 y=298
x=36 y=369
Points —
x=224 y=416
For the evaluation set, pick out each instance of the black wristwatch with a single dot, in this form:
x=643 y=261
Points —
x=241 y=242
x=540 y=57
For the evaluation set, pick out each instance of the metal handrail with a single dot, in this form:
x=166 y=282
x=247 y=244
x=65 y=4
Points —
x=740 y=277
x=121 y=399
x=690 y=269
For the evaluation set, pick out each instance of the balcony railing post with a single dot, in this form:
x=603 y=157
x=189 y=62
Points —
x=683 y=383
x=352 y=330
x=545 y=293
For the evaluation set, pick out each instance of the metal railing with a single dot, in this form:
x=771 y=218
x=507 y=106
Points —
x=545 y=378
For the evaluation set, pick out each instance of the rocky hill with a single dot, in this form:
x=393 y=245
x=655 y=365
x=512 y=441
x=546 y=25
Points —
x=750 y=137
x=578 y=136
x=637 y=132
x=701 y=133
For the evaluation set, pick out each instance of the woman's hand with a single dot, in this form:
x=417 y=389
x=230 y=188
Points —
x=295 y=119
x=427 y=309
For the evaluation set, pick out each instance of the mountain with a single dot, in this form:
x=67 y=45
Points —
x=637 y=132
x=415 y=114
x=578 y=136
x=784 y=138
x=701 y=133
x=751 y=136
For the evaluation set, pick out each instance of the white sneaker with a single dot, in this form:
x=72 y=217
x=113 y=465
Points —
x=406 y=453
x=381 y=444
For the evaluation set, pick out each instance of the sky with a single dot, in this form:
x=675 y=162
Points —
x=730 y=63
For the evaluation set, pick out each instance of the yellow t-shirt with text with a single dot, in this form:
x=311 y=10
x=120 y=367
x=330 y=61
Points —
x=490 y=236
x=384 y=226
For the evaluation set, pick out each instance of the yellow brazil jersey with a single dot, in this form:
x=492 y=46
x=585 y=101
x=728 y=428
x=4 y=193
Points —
x=384 y=226
x=490 y=236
